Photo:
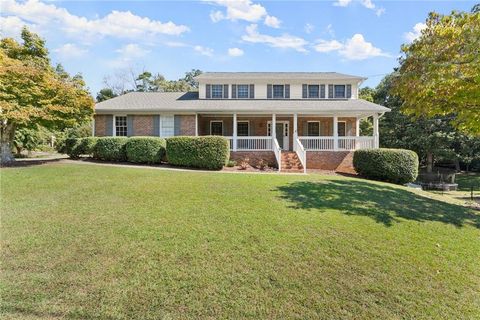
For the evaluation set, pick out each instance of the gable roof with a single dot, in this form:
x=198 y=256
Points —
x=189 y=102
x=277 y=75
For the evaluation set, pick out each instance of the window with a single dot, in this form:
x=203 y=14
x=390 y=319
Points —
x=313 y=91
x=167 y=126
x=120 y=126
x=243 y=91
x=313 y=128
x=216 y=128
x=217 y=91
x=342 y=128
x=340 y=91
x=278 y=91
x=242 y=128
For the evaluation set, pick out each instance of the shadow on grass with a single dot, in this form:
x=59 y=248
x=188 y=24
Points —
x=382 y=203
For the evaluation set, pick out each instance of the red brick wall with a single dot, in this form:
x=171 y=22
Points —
x=143 y=125
x=330 y=160
x=100 y=125
x=187 y=125
x=254 y=157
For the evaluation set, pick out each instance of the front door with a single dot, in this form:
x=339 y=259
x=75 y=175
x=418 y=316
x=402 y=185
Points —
x=281 y=132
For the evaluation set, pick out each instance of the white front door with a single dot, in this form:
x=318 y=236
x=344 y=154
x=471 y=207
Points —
x=282 y=133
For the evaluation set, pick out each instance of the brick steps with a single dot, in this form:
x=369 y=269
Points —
x=291 y=163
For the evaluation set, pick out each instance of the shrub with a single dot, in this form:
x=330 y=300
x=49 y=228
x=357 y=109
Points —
x=75 y=147
x=262 y=164
x=110 y=149
x=231 y=163
x=244 y=164
x=198 y=152
x=145 y=149
x=392 y=165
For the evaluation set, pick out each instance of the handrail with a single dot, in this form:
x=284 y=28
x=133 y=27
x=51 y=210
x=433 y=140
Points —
x=345 y=143
x=278 y=152
x=301 y=153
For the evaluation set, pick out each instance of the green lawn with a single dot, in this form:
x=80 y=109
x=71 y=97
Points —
x=86 y=241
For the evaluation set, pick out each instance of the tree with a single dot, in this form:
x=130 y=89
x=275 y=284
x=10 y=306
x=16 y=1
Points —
x=190 y=78
x=366 y=125
x=105 y=94
x=440 y=72
x=33 y=92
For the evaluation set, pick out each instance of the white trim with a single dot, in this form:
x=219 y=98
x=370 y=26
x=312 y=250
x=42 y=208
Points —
x=196 y=124
x=114 y=126
x=286 y=138
x=248 y=123
x=93 y=127
x=248 y=91
x=216 y=121
x=283 y=96
x=345 y=91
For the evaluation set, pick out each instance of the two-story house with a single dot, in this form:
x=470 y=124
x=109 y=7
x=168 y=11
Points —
x=270 y=115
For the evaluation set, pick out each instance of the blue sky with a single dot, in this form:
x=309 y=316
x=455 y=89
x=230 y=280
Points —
x=111 y=38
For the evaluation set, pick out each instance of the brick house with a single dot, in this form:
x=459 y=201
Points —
x=295 y=120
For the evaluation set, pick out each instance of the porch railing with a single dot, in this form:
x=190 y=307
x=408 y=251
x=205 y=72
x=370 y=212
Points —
x=329 y=143
x=251 y=143
x=301 y=153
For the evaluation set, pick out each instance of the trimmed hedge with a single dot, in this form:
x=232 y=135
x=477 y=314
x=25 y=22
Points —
x=209 y=152
x=75 y=147
x=145 y=149
x=110 y=149
x=391 y=165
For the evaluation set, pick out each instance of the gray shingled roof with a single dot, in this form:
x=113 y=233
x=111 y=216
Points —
x=189 y=102
x=277 y=75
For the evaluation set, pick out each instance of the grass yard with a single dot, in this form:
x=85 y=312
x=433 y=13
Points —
x=86 y=241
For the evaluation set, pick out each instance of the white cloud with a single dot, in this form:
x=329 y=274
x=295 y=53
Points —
x=235 y=52
x=175 y=44
x=12 y=27
x=243 y=10
x=355 y=48
x=272 y=21
x=120 y=24
x=308 y=28
x=327 y=46
x=342 y=3
x=70 y=50
x=204 y=50
x=329 y=30
x=415 y=33
x=284 y=41
x=132 y=51
x=366 y=3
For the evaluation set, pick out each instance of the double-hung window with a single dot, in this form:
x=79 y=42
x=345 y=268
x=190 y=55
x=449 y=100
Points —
x=342 y=128
x=278 y=91
x=242 y=128
x=217 y=91
x=243 y=91
x=216 y=128
x=313 y=128
x=314 y=91
x=340 y=91
x=120 y=126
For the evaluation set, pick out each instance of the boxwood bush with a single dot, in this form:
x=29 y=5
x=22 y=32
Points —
x=110 y=149
x=75 y=147
x=391 y=165
x=199 y=152
x=145 y=149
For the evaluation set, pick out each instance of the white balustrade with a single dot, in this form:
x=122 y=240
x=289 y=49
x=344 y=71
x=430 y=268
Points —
x=302 y=154
x=278 y=152
x=327 y=143
x=252 y=143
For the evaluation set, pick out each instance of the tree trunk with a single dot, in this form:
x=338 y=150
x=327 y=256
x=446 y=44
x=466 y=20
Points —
x=7 y=132
x=457 y=165
x=429 y=162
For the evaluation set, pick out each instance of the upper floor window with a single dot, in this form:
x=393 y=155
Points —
x=243 y=91
x=313 y=91
x=278 y=91
x=120 y=126
x=217 y=91
x=340 y=91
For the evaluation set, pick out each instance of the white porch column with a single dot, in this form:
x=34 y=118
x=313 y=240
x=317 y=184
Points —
x=375 y=131
x=295 y=126
x=274 y=126
x=93 y=127
x=196 y=124
x=335 y=133
x=234 y=147
x=357 y=127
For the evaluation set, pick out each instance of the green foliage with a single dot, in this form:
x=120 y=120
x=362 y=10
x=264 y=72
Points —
x=145 y=149
x=391 y=165
x=231 y=163
x=440 y=72
x=29 y=139
x=105 y=94
x=367 y=93
x=110 y=149
x=198 y=152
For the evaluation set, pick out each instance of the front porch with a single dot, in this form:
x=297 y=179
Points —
x=305 y=134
